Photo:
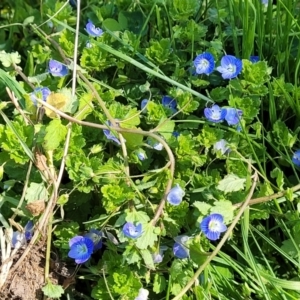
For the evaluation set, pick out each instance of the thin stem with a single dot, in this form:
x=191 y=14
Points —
x=222 y=242
x=137 y=131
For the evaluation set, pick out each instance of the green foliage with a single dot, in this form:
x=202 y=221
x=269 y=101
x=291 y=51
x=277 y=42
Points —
x=53 y=290
x=146 y=51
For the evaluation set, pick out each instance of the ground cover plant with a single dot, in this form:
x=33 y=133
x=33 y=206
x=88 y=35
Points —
x=149 y=149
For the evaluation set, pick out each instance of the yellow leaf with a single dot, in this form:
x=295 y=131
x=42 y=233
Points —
x=57 y=100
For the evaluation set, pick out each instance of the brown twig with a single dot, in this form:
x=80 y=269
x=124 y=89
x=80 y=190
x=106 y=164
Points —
x=267 y=198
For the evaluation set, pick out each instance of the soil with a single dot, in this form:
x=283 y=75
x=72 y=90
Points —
x=27 y=281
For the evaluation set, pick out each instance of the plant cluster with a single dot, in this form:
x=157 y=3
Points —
x=113 y=141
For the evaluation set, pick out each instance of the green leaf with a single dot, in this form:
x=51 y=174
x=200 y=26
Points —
x=283 y=135
x=278 y=174
x=257 y=73
x=115 y=195
x=249 y=105
x=160 y=51
x=64 y=232
x=71 y=103
x=9 y=59
x=231 y=183
x=225 y=208
x=147 y=257
x=125 y=282
x=133 y=140
x=159 y=284
x=166 y=128
x=28 y=20
x=219 y=94
x=148 y=237
x=209 y=135
x=66 y=39
x=53 y=290
x=184 y=9
x=197 y=256
x=203 y=207
x=16 y=139
x=36 y=191
x=112 y=25
x=55 y=134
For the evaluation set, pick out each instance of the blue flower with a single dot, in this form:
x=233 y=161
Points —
x=109 y=135
x=41 y=93
x=132 y=231
x=176 y=134
x=73 y=3
x=96 y=236
x=215 y=114
x=265 y=2
x=254 y=59
x=92 y=30
x=144 y=104
x=222 y=146
x=155 y=145
x=175 y=195
x=143 y=294
x=233 y=115
x=57 y=69
x=230 y=67
x=141 y=155
x=158 y=256
x=28 y=229
x=169 y=103
x=204 y=63
x=81 y=249
x=296 y=158
x=212 y=226
x=179 y=248
x=158 y=146
x=19 y=239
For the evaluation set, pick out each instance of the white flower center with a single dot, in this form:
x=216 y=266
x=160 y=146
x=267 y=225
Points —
x=214 y=226
x=231 y=68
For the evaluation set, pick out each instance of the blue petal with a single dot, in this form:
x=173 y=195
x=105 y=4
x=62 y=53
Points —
x=141 y=155
x=96 y=236
x=57 y=69
x=212 y=235
x=233 y=115
x=204 y=63
x=92 y=30
x=296 y=158
x=143 y=104
x=81 y=250
x=254 y=59
x=175 y=195
x=212 y=226
x=158 y=256
x=176 y=134
x=28 y=230
x=41 y=93
x=170 y=103
x=214 y=114
x=75 y=239
x=132 y=231
x=73 y=3
x=230 y=67
x=109 y=135
x=18 y=239
x=179 y=249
